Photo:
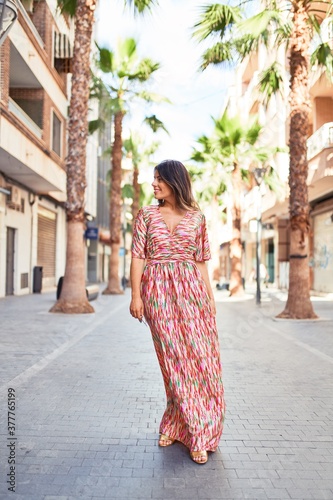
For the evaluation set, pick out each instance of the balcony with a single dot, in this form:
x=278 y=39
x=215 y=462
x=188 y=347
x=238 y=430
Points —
x=24 y=117
x=320 y=140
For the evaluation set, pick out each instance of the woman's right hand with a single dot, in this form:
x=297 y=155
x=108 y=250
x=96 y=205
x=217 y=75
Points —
x=136 y=308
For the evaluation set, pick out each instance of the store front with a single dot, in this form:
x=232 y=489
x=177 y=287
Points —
x=322 y=259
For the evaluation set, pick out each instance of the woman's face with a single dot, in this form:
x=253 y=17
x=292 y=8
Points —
x=162 y=190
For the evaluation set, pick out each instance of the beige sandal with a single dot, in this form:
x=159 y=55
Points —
x=199 y=457
x=165 y=440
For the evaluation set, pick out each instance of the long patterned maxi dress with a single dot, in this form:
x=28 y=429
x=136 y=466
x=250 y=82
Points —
x=178 y=312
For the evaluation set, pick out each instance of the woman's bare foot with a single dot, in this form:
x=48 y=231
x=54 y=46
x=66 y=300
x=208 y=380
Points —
x=165 y=440
x=199 y=457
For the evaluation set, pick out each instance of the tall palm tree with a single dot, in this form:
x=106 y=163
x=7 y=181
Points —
x=232 y=153
x=73 y=294
x=291 y=25
x=139 y=151
x=73 y=297
x=125 y=76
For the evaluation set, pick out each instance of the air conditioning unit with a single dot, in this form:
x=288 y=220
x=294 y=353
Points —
x=15 y=195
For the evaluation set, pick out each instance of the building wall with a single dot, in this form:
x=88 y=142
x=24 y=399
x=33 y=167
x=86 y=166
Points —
x=22 y=223
x=32 y=90
x=322 y=111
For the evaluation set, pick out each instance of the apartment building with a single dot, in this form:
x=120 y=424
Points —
x=245 y=99
x=35 y=63
x=98 y=249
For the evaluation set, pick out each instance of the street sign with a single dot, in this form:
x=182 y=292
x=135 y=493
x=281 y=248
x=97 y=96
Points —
x=91 y=233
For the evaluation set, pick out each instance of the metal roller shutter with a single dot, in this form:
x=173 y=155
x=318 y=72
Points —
x=46 y=247
x=323 y=252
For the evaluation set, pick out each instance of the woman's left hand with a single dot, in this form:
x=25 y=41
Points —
x=212 y=305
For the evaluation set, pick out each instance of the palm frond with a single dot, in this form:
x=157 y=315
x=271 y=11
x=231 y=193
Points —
x=95 y=125
x=105 y=59
x=139 y=6
x=245 y=175
x=198 y=156
x=314 y=23
x=271 y=82
x=155 y=124
x=97 y=88
x=274 y=182
x=144 y=70
x=258 y=25
x=322 y=57
x=245 y=45
x=127 y=48
x=283 y=33
x=152 y=97
x=67 y=7
x=216 y=18
x=127 y=191
x=221 y=52
x=253 y=132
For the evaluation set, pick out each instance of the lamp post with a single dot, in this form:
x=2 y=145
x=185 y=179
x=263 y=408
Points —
x=8 y=15
x=258 y=173
x=124 y=229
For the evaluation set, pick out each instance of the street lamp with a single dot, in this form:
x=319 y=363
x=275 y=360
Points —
x=124 y=231
x=258 y=173
x=8 y=15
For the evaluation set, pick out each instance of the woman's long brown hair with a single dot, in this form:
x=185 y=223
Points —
x=173 y=173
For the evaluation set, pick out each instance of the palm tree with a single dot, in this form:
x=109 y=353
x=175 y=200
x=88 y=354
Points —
x=73 y=297
x=232 y=154
x=127 y=74
x=291 y=25
x=139 y=152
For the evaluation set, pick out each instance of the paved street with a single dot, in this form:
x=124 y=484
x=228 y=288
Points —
x=89 y=397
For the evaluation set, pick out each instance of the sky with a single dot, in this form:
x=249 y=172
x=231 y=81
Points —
x=165 y=36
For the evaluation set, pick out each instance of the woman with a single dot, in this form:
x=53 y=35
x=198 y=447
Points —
x=171 y=289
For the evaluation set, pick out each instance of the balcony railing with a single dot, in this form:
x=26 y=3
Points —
x=18 y=111
x=321 y=139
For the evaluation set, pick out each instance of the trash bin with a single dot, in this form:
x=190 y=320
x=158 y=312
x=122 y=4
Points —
x=59 y=287
x=37 y=281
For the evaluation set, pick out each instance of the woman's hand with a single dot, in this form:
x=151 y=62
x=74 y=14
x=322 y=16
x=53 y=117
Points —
x=136 y=308
x=212 y=305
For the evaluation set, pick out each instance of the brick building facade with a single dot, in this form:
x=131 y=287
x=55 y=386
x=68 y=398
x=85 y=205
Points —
x=34 y=67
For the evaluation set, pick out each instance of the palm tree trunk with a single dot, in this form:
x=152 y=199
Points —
x=236 y=285
x=115 y=207
x=73 y=294
x=136 y=192
x=299 y=305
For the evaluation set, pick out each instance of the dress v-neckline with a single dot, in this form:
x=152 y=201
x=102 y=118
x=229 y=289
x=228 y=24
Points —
x=176 y=226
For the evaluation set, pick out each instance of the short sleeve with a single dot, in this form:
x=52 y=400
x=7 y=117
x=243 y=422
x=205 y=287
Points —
x=139 y=236
x=203 y=250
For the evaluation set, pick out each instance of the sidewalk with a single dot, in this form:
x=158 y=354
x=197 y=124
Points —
x=89 y=397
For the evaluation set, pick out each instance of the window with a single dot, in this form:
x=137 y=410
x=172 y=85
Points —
x=63 y=53
x=56 y=134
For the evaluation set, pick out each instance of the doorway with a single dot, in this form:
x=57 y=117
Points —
x=270 y=260
x=10 y=253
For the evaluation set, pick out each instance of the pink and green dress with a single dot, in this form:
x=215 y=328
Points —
x=178 y=312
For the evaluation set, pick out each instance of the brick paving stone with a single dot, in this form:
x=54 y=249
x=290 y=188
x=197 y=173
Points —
x=90 y=397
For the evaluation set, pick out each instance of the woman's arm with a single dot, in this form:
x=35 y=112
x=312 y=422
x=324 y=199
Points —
x=136 y=306
x=204 y=273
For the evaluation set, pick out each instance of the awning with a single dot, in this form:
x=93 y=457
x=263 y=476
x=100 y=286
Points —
x=62 y=46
